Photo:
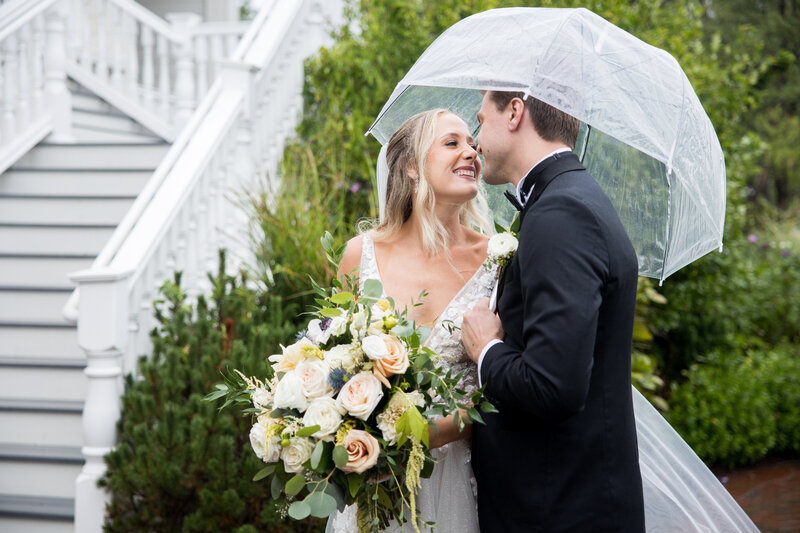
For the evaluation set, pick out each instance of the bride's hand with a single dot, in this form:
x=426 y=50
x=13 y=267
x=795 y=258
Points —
x=448 y=431
x=479 y=327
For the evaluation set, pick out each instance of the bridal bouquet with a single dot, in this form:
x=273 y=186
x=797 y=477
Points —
x=342 y=414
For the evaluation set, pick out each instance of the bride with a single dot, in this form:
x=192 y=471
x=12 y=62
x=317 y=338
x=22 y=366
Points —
x=425 y=241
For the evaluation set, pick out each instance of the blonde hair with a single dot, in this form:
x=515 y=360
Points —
x=407 y=150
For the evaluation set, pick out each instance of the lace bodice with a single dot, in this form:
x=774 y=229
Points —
x=445 y=338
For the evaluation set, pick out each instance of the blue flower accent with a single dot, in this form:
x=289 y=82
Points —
x=337 y=378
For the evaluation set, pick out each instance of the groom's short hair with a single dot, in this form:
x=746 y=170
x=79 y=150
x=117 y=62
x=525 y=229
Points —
x=550 y=123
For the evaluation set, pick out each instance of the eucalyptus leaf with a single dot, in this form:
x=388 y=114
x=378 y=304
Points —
x=330 y=312
x=308 y=431
x=342 y=298
x=322 y=505
x=299 y=510
x=276 y=487
x=316 y=455
x=373 y=288
x=264 y=472
x=340 y=456
x=295 y=485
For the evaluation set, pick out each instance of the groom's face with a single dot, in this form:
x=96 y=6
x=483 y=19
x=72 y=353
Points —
x=492 y=141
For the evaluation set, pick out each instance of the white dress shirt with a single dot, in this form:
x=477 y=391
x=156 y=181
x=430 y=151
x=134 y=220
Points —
x=522 y=202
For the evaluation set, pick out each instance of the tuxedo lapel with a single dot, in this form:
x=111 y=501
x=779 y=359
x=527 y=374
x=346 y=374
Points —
x=544 y=173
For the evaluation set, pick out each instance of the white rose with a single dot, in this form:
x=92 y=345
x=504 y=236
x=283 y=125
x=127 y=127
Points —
x=359 y=324
x=374 y=347
x=325 y=413
x=289 y=393
x=380 y=309
x=297 y=453
x=268 y=449
x=292 y=356
x=313 y=375
x=345 y=356
x=262 y=399
x=333 y=327
x=360 y=395
x=502 y=247
x=338 y=325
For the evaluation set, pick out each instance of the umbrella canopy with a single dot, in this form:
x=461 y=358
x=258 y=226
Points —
x=646 y=138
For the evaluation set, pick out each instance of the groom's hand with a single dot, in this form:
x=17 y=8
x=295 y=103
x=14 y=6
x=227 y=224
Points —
x=480 y=326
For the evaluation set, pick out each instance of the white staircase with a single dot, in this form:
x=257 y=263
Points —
x=59 y=205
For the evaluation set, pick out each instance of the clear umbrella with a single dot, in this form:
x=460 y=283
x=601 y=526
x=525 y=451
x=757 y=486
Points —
x=646 y=138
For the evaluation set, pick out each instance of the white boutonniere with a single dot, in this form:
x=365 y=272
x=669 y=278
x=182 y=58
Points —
x=501 y=249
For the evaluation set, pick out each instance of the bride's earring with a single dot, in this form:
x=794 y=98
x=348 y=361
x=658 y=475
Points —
x=416 y=183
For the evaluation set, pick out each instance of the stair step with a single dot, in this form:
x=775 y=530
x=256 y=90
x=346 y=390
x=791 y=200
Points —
x=92 y=134
x=28 y=422
x=10 y=361
x=106 y=155
x=108 y=119
x=36 y=514
x=82 y=100
x=85 y=182
x=43 y=454
x=25 y=304
x=28 y=478
x=40 y=271
x=57 y=210
x=36 y=383
x=52 y=239
x=50 y=341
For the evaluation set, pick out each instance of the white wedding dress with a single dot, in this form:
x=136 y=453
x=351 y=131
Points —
x=680 y=492
x=449 y=496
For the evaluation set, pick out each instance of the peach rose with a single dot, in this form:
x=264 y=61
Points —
x=395 y=362
x=362 y=451
x=360 y=395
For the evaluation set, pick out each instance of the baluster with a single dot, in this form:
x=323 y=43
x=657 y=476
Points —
x=86 y=16
x=117 y=35
x=10 y=88
x=103 y=335
x=183 y=225
x=216 y=52
x=184 y=24
x=130 y=25
x=38 y=66
x=132 y=353
x=231 y=40
x=24 y=78
x=170 y=242
x=57 y=96
x=162 y=50
x=192 y=209
x=201 y=60
x=101 y=14
x=148 y=62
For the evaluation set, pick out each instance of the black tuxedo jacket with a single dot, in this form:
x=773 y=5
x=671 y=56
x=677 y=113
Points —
x=561 y=454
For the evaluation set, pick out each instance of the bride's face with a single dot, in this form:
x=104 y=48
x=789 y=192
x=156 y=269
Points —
x=452 y=162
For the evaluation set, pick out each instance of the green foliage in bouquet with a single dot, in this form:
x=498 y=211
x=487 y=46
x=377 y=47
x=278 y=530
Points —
x=342 y=415
x=179 y=464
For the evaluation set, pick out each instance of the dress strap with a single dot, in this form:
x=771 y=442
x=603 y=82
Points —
x=369 y=266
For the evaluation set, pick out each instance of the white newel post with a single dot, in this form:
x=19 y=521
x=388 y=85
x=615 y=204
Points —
x=102 y=334
x=57 y=96
x=183 y=24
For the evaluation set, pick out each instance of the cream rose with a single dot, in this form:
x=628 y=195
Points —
x=289 y=393
x=266 y=446
x=360 y=395
x=297 y=453
x=394 y=362
x=313 y=374
x=325 y=413
x=362 y=451
x=345 y=356
x=292 y=356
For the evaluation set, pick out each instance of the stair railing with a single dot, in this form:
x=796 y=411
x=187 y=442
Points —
x=233 y=140
x=154 y=70
x=34 y=98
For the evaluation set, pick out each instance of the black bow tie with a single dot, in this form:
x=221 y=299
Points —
x=513 y=200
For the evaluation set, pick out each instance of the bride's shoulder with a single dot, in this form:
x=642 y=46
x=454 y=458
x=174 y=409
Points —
x=352 y=256
x=478 y=241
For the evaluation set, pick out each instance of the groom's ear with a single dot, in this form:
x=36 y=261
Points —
x=515 y=110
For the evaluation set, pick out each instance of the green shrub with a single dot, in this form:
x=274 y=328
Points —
x=781 y=372
x=182 y=465
x=723 y=411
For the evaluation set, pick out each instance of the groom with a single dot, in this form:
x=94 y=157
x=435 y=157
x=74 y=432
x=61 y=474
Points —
x=561 y=454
